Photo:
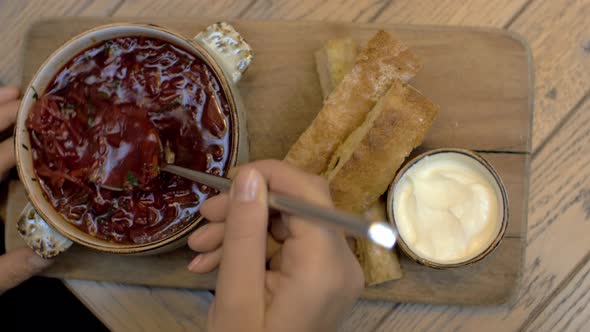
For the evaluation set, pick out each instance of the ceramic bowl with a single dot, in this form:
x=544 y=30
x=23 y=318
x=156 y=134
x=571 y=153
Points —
x=496 y=183
x=219 y=46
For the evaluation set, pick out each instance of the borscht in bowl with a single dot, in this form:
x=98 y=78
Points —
x=117 y=110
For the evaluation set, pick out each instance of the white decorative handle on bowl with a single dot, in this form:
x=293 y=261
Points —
x=46 y=241
x=228 y=47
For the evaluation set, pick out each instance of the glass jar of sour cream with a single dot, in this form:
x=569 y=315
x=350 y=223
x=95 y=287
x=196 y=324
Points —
x=450 y=208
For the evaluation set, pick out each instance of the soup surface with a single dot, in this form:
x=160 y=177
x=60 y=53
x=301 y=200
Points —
x=90 y=126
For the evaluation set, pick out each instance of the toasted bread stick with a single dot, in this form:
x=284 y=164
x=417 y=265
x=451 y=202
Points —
x=333 y=61
x=364 y=165
x=383 y=60
x=379 y=265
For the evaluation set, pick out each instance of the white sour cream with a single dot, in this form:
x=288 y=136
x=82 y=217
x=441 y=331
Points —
x=448 y=208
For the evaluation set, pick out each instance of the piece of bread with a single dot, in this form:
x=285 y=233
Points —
x=364 y=165
x=382 y=61
x=333 y=61
x=379 y=265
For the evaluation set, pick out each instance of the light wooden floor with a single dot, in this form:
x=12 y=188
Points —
x=555 y=289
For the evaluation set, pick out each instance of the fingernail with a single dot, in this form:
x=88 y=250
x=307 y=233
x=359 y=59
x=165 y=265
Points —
x=38 y=263
x=245 y=186
x=192 y=266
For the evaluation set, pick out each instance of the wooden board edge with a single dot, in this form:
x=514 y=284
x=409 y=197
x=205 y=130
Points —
x=507 y=298
x=511 y=299
x=512 y=296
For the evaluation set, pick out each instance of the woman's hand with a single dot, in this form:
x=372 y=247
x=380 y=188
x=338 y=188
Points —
x=8 y=107
x=314 y=279
x=20 y=264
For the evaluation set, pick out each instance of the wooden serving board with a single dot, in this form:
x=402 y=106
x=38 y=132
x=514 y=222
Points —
x=481 y=78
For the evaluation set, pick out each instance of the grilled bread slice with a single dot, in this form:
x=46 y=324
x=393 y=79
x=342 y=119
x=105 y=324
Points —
x=364 y=165
x=383 y=60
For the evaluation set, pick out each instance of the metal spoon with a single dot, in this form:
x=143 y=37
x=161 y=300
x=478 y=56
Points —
x=379 y=232
x=382 y=233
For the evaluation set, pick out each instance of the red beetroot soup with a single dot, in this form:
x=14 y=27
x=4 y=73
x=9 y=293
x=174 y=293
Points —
x=91 y=124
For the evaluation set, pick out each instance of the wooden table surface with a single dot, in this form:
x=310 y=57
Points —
x=555 y=290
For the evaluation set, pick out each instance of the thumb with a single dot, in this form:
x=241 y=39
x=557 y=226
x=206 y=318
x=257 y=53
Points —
x=19 y=265
x=240 y=283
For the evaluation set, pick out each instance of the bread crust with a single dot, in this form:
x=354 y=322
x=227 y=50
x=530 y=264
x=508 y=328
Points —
x=366 y=162
x=376 y=67
x=333 y=61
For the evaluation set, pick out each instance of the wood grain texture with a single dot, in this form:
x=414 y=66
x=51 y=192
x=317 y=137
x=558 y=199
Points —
x=366 y=315
x=451 y=12
x=278 y=121
x=569 y=310
x=559 y=215
x=328 y=11
x=130 y=309
x=183 y=8
x=405 y=11
x=559 y=36
x=546 y=29
x=16 y=17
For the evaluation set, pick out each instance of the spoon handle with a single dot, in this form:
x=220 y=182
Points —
x=379 y=232
x=210 y=180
